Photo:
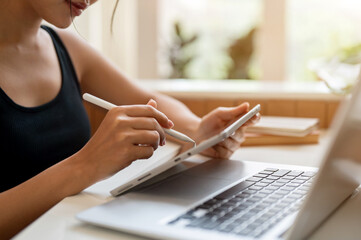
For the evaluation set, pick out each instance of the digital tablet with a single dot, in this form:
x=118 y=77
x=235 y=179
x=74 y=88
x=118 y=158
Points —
x=157 y=169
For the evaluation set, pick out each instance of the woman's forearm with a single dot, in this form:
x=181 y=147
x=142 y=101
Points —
x=184 y=120
x=24 y=203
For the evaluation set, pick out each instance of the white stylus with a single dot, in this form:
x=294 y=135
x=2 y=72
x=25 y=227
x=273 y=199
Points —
x=107 y=105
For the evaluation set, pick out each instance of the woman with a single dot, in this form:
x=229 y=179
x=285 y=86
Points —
x=45 y=142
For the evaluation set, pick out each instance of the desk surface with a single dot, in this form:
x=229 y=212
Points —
x=59 y=222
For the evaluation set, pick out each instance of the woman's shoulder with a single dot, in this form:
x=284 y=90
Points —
x=79 y=50
x=70 y=40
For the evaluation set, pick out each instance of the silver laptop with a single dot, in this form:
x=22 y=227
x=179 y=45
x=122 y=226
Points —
x=243 y=200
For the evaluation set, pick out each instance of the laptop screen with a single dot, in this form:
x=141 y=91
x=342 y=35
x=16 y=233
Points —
x=338 y=177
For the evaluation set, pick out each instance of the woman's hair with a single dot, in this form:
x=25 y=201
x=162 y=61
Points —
x=113 y=15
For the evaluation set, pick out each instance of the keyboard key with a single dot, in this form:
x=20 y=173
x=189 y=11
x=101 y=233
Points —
x=250 y=191
x=260 y=175
x=288 y=177
x=199 y=213
x=266 y=181
x=240 y=208
x=276 y=196
x=303 y=178
x=271 y=169
x=210 y=224
x=287 y=188
x=255 y=188
x=284 y=181
x=298 y=180
x=300 y=192
x=255 y=210
x=272 y=188
x=234 y=190
x=303 y=188
x=245 y=232
x=272 y=178
x=261 y=195
x=283 y=192
x=266 y=191
x=252 y=207
x=226 y=228
x=252 y=200
x=280 y=173
x=293 y=185
x=277 y=184
x=294 y=173
x=308 y=174
x=261 y=184
x=270 y=201
x=242 y=196
x=198 y=222
x=254 y=179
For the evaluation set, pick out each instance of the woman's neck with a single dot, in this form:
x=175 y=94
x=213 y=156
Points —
x=19 y=24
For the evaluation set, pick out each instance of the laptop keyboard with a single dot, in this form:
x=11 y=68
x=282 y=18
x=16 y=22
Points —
x=251 y=207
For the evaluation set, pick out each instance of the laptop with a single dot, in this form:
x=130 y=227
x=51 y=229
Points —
x=221 y=199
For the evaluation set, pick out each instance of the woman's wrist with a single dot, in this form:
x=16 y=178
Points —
x=79 y=173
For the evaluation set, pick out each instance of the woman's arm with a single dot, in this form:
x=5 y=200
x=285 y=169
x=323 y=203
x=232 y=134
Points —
x=101 y=78
x=24 y=203
x=127 y=133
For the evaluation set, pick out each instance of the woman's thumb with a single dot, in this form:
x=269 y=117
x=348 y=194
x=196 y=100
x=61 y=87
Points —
x=152 y=103
x=240 y=109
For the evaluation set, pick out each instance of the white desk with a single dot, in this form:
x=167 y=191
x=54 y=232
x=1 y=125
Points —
x=59 y=222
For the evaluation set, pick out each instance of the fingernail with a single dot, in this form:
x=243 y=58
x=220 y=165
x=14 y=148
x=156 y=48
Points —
x=163 y=143
x=170 y=123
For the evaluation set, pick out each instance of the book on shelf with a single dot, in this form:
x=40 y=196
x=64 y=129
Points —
x=285 y=126
x=259 y=139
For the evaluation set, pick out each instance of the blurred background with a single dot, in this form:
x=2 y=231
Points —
x=280 y=40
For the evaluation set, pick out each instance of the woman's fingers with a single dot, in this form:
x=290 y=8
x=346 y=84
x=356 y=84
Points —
x=253 y=120
x=142 y=152
x=145 y=138
x=148 y=111
x=143 y=123
x=231 y=113
x=222 y=152
x=230 y=144
x=238 y=135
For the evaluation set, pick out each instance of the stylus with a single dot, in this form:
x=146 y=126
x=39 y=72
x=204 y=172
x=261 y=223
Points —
x=107 y=105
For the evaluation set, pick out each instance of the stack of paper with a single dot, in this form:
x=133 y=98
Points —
x=272 y=130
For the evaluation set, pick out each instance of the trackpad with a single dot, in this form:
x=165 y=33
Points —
x=198 y=182
x=185 y=189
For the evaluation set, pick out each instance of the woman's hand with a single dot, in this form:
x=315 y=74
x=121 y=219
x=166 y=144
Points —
x=126 y=134
x=215 y=122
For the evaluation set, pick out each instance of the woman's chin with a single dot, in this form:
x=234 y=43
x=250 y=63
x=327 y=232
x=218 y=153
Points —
x=61 y=24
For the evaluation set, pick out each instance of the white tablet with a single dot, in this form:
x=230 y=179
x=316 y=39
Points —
x=157 y=169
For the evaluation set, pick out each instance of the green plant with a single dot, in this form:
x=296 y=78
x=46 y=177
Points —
x=241 y=51
x=351 y=54
x=180 y=53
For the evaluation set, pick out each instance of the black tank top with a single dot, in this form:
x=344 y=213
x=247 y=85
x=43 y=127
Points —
x=33 y=139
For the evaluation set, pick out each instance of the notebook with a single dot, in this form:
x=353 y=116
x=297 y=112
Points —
x=285 y=126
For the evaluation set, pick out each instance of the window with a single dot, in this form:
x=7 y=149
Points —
x=321 y=29
x=290 y=35
x=198 y=44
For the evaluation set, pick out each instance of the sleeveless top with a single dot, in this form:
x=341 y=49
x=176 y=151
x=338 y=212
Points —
x=33 y=139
